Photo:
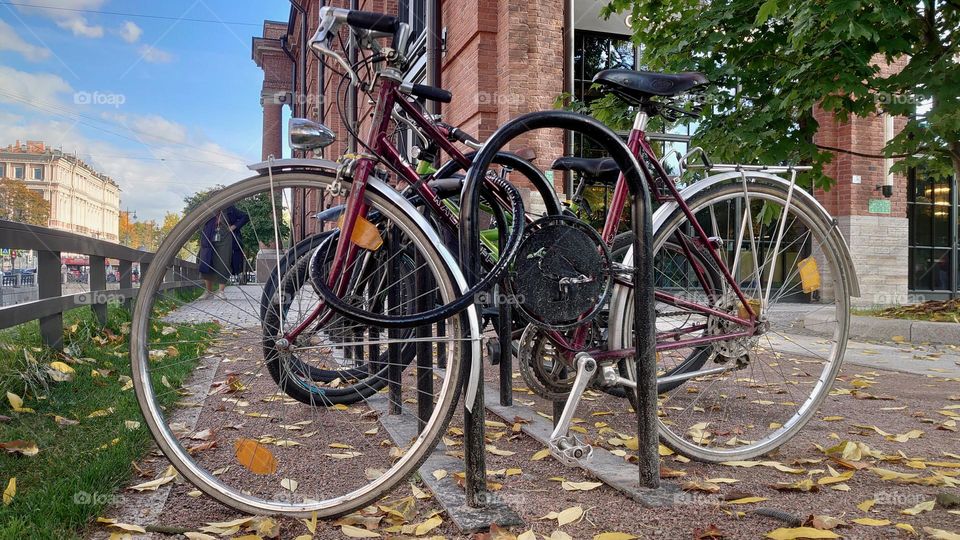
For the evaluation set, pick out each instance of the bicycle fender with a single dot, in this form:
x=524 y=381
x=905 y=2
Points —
x=321 y=165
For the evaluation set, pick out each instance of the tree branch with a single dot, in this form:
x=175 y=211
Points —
x=861 y=154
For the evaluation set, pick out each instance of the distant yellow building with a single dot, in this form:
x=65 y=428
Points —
x=82 y=200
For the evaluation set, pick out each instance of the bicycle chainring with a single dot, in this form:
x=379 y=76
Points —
x=542 y=368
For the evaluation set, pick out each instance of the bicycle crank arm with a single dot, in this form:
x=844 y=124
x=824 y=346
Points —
x=567 y=448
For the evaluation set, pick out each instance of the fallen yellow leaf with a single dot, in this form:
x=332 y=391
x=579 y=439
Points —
x=747 y=500
x=10 y=491
x=940 y=534
x=796 y=533
x=540 y=455
x=428 y=525
x=906 y=527
x=566 y=516
x=255 y=457
x=356 y=532
x=26 y=448
x=925 y=506
x=872 y=522
x=580 y=486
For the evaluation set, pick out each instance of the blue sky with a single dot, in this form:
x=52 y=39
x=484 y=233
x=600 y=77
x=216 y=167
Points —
x=165 y=107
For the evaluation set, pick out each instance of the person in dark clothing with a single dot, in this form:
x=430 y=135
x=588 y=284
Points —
x=220 y=253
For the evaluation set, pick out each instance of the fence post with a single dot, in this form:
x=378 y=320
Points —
x=98 y=283
x=126 y=281
x=49 y=285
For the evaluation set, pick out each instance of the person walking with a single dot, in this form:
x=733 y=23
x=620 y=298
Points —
x=221 y=254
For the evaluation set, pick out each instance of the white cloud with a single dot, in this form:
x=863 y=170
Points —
x=154 y=55
x=80 y=27
x=153 y=179
x=11 y=41
x=154 y=128
x=70 y=20
x=130 y=32
x=42 y=89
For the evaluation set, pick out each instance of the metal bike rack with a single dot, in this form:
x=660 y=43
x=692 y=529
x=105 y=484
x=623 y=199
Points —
x=644 y=318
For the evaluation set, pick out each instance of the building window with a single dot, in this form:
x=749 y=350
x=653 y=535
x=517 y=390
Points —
x=413 y=12
x=594 y=52
x=3 y=170
x=37 y=173
x=18 y=172
x=932 y=215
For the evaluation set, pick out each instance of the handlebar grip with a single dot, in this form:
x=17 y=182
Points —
x=463 y=136
x=432 y=93
x=369 y=20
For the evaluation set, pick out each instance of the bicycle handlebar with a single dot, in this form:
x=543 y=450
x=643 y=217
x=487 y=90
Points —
x=369 y=20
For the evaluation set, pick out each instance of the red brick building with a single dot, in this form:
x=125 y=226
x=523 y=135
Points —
x=503 y=58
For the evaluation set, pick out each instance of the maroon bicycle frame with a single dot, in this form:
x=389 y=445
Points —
x=379 y=142
x=640 y=147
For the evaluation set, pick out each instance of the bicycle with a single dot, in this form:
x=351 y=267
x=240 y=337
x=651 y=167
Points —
x=393 y=272
x=717 y=334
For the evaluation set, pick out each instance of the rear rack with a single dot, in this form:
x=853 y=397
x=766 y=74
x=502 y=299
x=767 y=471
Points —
x=707 y=165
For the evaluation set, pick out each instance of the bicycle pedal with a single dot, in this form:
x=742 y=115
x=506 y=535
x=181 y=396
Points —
x=570 y=450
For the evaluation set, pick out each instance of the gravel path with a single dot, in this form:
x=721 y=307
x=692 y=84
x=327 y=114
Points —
x=926 y=402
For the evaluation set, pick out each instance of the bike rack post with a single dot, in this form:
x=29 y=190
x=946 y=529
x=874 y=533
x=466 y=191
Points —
x=394 y=363
x=505 y=339
x=644 y=321
x=504 y=333
x=424 y=348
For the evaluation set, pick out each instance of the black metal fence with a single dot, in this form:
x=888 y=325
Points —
x=52 y=303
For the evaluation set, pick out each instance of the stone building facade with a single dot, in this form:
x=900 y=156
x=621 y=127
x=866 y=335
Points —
x=82 y=200
x=503 y=58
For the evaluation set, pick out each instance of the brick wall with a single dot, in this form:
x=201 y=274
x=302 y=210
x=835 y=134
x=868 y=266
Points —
x=878 y=242
x=505 y=58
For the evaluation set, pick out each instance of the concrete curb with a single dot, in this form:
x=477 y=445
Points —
x=875 y=328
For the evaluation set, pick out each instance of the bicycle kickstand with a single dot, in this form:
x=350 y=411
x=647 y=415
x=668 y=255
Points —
x=565 y=446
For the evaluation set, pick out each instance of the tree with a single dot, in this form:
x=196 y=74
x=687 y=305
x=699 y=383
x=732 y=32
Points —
x=773 y=62
x=170 y=220
x=22 y=204
x=125 y=229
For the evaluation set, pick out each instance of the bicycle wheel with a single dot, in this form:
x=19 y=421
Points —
x=670 y=264
x=310 y=375
x=199 y=365
x=752 y=393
